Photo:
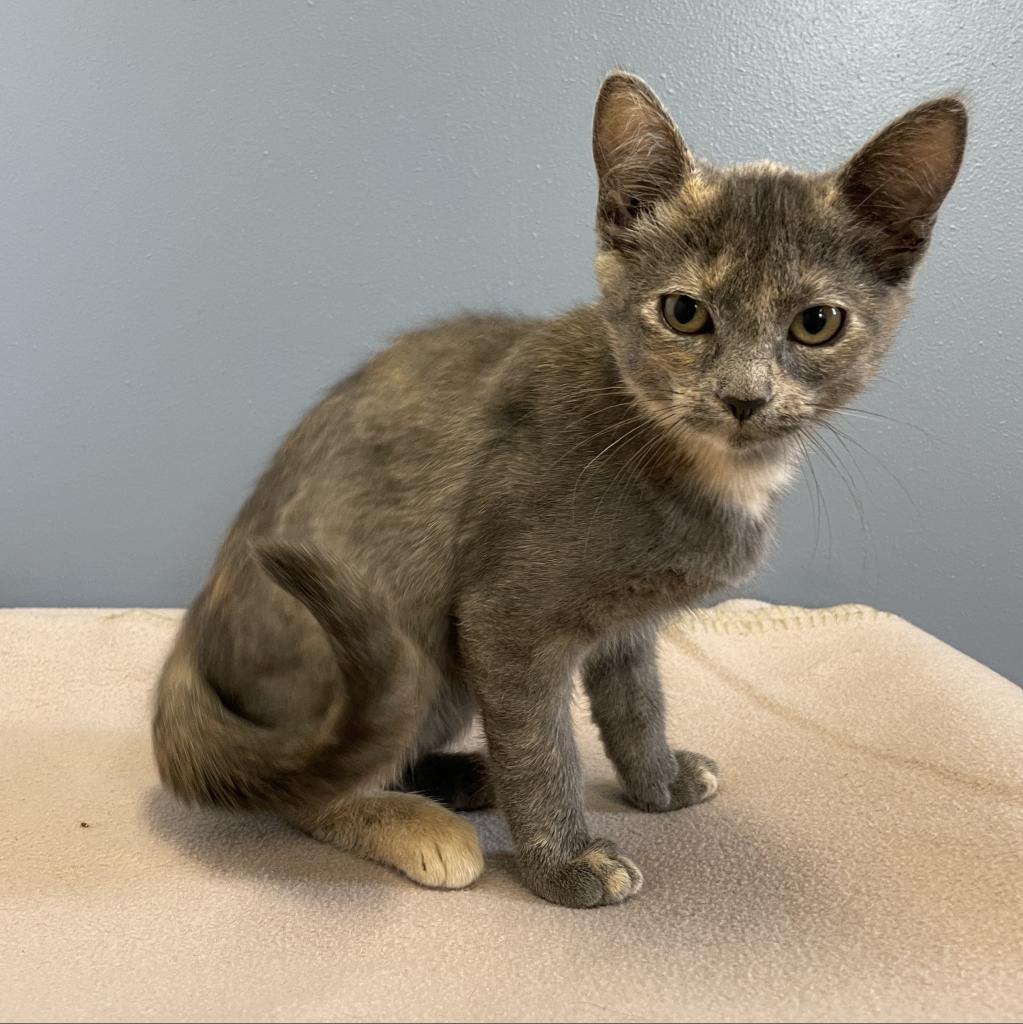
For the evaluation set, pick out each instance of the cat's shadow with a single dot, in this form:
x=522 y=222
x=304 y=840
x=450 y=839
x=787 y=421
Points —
x=263 y=846
x=709 y=857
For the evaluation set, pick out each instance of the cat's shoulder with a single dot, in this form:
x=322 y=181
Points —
x=468 y=329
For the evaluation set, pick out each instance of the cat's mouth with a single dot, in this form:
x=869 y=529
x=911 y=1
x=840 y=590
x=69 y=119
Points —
x=735 y=439
x=746 y=434
x=752 y=436
x=765 y=429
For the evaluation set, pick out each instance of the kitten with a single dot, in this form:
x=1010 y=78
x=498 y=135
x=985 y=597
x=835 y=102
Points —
x=491 y=504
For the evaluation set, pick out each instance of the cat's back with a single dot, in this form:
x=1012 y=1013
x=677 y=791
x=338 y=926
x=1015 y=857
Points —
x=427 y=388
x=390 y=445
x=424 y=371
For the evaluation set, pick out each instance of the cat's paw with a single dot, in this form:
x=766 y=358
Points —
x=440 y=851
x=597 y=877
x=696 y=780
x=430 y=844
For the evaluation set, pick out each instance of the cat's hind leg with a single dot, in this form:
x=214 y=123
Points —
x=411 y=833
x=459 y=780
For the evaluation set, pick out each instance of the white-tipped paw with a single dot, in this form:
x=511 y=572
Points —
x=710 y=783
x=696 y=780
x=597 y=877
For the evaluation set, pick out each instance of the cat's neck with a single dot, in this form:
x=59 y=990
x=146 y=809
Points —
x=741 y=481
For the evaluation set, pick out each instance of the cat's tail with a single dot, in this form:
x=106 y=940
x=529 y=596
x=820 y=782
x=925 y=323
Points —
x=207 y=754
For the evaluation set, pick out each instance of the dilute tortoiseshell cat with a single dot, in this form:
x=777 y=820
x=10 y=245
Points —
x=491 y=504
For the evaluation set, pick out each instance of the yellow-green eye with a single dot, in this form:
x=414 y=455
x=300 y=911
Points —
x=685 y=314
x=817 y=325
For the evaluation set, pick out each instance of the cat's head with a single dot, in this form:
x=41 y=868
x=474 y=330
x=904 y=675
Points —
x=748 y=302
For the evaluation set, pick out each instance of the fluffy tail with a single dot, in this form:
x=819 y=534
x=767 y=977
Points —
x=207 y=754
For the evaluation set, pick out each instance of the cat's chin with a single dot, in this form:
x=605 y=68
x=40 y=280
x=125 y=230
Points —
x=745 y=442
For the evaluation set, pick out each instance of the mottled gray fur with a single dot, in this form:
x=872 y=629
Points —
x=492 y=504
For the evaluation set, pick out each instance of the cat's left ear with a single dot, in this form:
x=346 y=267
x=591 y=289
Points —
x=640 y=156
x=897 y=181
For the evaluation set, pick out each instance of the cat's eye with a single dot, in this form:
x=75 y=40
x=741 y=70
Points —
x=686 y=315
x=817 y=325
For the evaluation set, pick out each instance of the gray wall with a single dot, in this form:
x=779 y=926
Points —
x=211 y=210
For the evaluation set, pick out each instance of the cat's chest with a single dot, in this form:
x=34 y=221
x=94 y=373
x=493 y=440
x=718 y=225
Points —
x=686 y=558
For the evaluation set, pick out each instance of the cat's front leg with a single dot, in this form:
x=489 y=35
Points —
x=525 y=702
x=624 y=688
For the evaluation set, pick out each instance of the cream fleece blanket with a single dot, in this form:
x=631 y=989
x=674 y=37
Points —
x=863 y=859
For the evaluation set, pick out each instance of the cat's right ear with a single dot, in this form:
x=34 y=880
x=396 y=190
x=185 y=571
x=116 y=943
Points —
x=640 y=155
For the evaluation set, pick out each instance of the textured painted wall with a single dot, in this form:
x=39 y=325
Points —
x=211 y=211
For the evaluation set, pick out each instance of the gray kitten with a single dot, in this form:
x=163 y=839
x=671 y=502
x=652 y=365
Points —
x=492 y=504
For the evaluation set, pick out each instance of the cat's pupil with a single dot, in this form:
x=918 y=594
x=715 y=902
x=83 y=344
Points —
x=815 y=319
x=685 y=309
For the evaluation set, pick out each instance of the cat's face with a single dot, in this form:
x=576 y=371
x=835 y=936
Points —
x=747 y=303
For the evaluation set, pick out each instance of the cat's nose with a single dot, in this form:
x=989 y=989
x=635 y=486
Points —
x=743 y=408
